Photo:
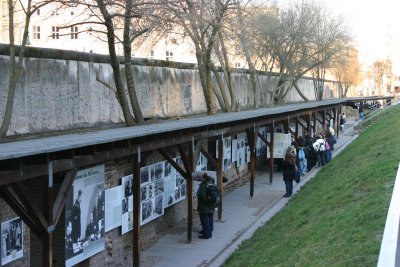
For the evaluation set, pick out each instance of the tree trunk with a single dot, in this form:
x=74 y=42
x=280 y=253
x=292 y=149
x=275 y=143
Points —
x=137 y=112
x=115 y=64
x=14 y=69
x=221 y=97
x=204 y=66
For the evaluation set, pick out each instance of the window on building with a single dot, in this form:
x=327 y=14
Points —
x=169 y=56
x=36 y=32
x=72 y=13
x=55 y=32
x=74 y=32
x=152 y=54
x=237 y=65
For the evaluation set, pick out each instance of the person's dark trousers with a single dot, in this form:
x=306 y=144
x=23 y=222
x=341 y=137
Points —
x=289 y=187
x=206 y=220
x=321 y=155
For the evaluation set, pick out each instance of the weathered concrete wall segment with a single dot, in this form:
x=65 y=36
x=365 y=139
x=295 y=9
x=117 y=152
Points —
x=62 y=93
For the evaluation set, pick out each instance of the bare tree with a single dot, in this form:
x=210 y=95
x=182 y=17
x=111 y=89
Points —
x=123 y=23
x=201 y=20
x=15 y=63
x=346 y=69
x=330 y=37
x=378 y=70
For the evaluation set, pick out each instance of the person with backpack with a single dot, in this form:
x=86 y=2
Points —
x=302 y=156
x=319 y=148
x=206 y=206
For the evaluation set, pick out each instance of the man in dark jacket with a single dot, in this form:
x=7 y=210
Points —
x=289 y=173
x=205 y=207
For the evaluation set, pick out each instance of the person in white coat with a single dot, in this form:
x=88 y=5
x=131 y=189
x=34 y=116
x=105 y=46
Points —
x=319 y=148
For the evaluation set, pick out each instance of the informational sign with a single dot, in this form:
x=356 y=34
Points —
x=152 y=192
x=11 y=240
x=127 y=204
x=241 y=150
x=113 y=210
x=281 y=143
x=84 y=216
x=227 y=151
x=174 y=185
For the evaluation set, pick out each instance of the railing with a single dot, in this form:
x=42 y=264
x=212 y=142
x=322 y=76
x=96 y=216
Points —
x=389 y=256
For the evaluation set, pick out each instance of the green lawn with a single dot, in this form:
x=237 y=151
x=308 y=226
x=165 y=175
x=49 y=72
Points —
x=338 y=217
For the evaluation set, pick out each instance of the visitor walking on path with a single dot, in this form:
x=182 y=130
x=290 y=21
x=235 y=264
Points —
x=205 y=208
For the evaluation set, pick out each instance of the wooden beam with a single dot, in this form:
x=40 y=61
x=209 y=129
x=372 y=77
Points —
x=172 y=162
x=185 y=161
x=220 y=163
x=19 y=209
x=263 y=139
x=196 y=152
x=30 y=207
x=62 y=194
x=271 y=155
x=211 y=160
x=136 y=209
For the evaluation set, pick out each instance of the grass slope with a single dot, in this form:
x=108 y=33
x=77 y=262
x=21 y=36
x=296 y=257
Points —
x=338 y=217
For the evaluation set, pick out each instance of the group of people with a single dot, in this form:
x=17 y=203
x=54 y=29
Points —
x=305 y=153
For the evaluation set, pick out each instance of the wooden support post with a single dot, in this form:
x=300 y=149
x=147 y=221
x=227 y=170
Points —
x=189 y=186
x=271 y=155
x=136 y=209
x=47 y=238
x=315 y=123
x=251 y=138
x=335 y=116
x=220 y=163
x=296 y=133
x=189 y=179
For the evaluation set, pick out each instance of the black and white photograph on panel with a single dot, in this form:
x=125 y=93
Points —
x=158 y=206
x=84 y=216
x=159 y=187
x=11 y=240
x=169 y=184
x=127 y=205
x=167 y=169
x=144 y=175
x=234 y=149
x=183 y=190
x=127 y=184
x=159 y=171
x=146 y=211
x=144 y=195
x=150 y=190
x=152 y=173
x=227 y=155
x=177 y=194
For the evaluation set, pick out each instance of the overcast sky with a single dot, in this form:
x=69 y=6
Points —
x=370 y=22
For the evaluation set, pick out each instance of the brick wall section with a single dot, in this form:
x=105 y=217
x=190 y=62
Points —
x=6 y=213
x=118 y=248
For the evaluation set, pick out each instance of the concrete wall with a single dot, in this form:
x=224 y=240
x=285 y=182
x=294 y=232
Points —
x=58 y=90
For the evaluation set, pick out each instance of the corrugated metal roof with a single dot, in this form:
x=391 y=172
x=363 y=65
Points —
x=51 y=144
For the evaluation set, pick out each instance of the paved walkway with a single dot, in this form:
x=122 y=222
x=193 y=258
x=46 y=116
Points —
x=241 y=216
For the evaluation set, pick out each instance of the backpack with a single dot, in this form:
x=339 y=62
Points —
x=302 y=155
x=327 y=146
x=213 y=194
